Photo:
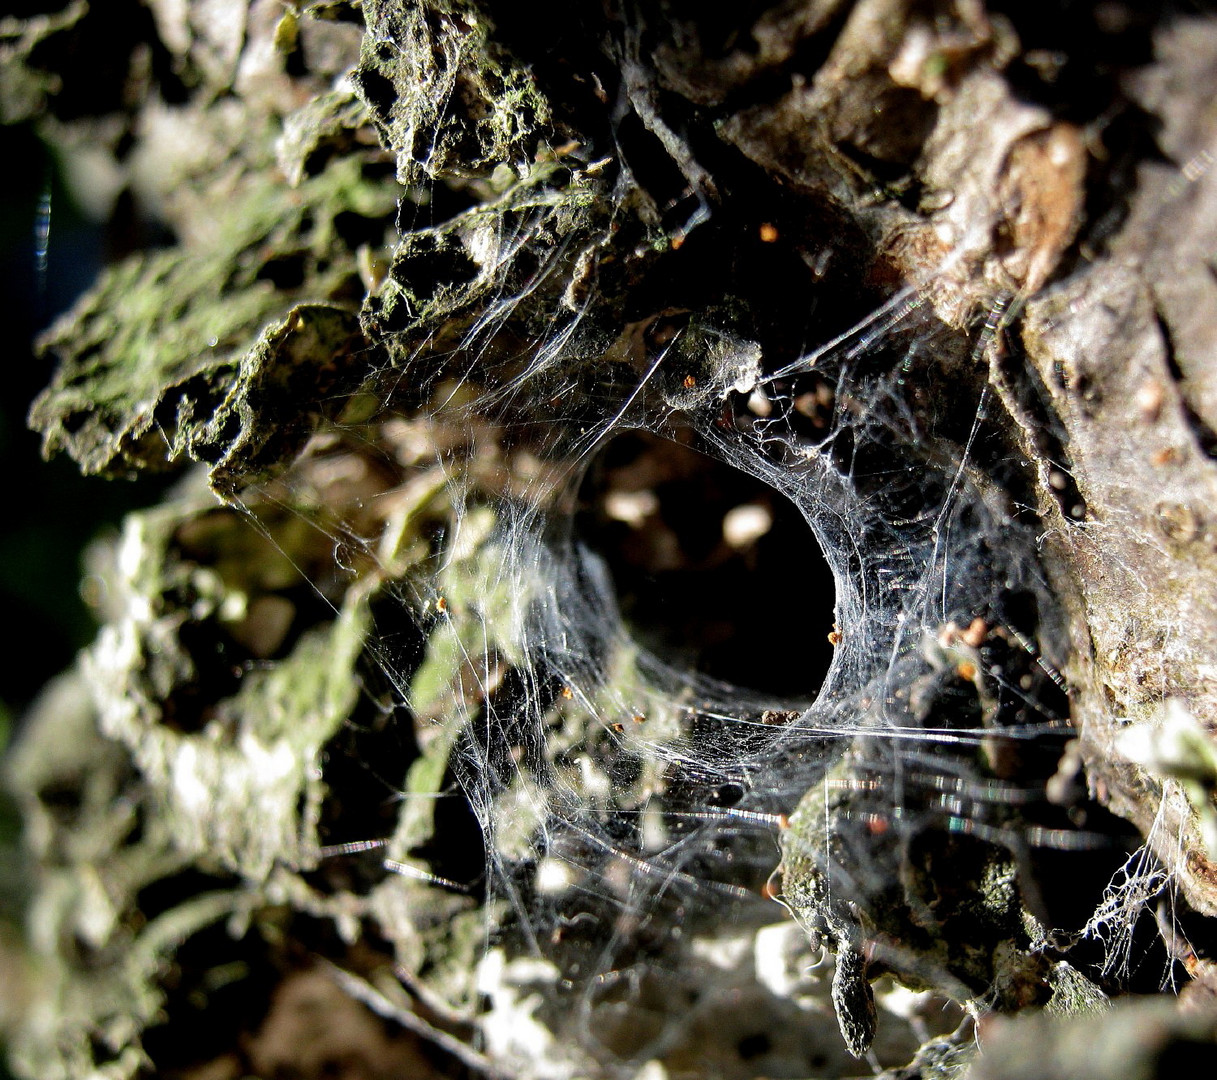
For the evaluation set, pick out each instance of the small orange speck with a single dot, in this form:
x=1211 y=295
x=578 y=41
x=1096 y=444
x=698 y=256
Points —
x=677 y=241
x=689 y=382
x=783 y=821
x=639 y=718
x=1167 y=455
x=966 y=671
x=567 y=693
x=619 y=728
x=770 y=891
x=769 y=233
x=834 y=638
x=876 y=824
x=441 y=605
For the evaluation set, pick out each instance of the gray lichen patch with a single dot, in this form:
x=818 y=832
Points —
x=198 y=725
x=448 y=99
x=93 y=986
x=205 y=744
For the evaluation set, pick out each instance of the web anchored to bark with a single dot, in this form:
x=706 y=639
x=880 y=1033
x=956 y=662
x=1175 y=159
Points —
x=667 y=463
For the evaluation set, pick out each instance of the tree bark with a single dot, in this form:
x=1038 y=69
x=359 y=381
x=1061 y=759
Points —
x=939 y=274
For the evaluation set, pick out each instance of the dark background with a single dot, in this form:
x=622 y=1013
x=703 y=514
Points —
x=53 y=511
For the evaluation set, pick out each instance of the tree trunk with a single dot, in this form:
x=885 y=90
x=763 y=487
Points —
x=637 y=463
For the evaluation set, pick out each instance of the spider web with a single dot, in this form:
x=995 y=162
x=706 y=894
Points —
x=669 y=594
x=627 y=771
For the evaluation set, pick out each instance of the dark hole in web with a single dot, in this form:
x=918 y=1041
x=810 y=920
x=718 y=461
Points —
x=714 y=570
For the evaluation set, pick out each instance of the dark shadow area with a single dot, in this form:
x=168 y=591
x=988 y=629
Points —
x=713 y=570
x=52 y=510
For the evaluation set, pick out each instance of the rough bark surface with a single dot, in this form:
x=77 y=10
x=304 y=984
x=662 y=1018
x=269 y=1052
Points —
x=952 y=261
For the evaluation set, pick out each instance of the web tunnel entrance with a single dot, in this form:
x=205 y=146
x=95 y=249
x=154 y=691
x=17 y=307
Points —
x=714 y=570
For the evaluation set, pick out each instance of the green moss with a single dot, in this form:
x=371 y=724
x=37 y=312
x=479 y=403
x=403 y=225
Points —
x=169 y=356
